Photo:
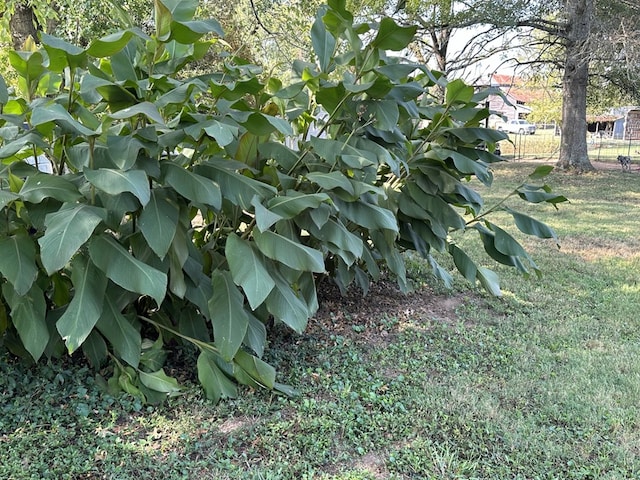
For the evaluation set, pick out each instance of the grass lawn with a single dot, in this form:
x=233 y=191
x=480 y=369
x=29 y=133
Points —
x=542 y=383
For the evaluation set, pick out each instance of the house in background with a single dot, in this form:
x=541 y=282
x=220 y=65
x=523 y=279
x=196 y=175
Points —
x=516 y=97
x=627 y=124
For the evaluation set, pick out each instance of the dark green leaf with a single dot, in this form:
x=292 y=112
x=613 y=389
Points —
x=114 y=182
x=215 y=383
x=124 y=337
x=147 y=109
x=191 y=31
x=95 y=349
x=235 y=187
x=41 y=186
x=248 y=270
x=393 y=37
x=66 y=231
x=125 y=270
x=285 y=305
x=489 y=281
x=261 y=372
x=28 y=314
x=109 y=45
x=6 y=198
x=289 y=252
x=85 y=307
x=324 y=44
x=18 y=261
x=541 y=172
x=55 y=113
x=194 y=187
x=294 y=203
x=158 y=221
x=229 y=319
x=368 y=215
x=531 y=226
x=331 y=181
x=458 y=92
x=159 y=381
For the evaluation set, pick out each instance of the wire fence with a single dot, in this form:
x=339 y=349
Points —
x=545 y=144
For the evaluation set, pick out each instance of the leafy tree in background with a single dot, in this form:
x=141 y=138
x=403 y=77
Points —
x=187 y=212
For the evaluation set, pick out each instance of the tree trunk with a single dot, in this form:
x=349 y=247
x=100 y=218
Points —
x=573 y=144
x=22 y=25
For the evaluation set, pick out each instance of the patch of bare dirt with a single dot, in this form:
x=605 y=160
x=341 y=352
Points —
x=341 y=314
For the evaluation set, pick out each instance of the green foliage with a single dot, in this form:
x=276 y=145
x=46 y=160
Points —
x=193 y=210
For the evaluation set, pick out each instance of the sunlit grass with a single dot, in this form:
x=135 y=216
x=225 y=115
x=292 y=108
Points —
x=543 y=382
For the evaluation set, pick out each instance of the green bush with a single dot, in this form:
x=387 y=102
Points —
x=194 y=210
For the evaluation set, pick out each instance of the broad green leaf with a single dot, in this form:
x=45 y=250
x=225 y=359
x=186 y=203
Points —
x=123 y=150
x=539 y=195
x=285 y=305
x=6 y=198
x=194 y=187
x=18 y=261
x=265 y=218
x=28 y=312
x=248 y=270
x=384 y=113
x=159 y=381
x=66 y=231
x=14 y=146
x=229 y=319
x=473 y=135
x=489 y=281
x=181 y=10
x=178 y=254
x=41 y=186
x=125 y=270
x=294 y=203
x=235 y=187
x=85 y=307
x=458 y=91
x=147 y=109
x=393 y=37
x=331 y=180
x=4 y=91
x=95 y=349
x=541 y=172
x=215 y=383
x=193 y=324
x=62 y=53
x=56 y=114
x=505 y=243
x=368 y=215
x=256 y=337
x=191 y=31
x=158 y=221
x=261 y=124
x=463 y=262
x=289 y=252
x=109 y=45
x=162 y=17
x=324 y=43
x=222 y=133
x=437 y=208
x=115 y=182
x=336 y=233
x=263 y=373
x=121 y=334
x=531 y=226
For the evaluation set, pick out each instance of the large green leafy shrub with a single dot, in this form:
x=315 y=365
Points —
x=193 y=210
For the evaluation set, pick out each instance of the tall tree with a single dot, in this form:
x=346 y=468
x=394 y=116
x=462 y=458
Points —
x=22 y=22
x=573 y=146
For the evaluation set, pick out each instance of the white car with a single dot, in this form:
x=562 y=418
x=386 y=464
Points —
x=517 y=126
